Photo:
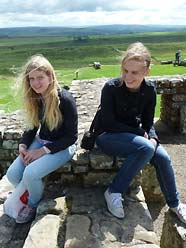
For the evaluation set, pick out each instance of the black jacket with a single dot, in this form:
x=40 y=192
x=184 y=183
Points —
x=65 y=134
x=125 y=111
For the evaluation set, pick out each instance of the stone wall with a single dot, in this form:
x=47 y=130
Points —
x=94 y=168
x=173 y=101
x=87 y=95
x=85 y=207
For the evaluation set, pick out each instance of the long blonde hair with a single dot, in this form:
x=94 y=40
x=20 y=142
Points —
x=52 y=114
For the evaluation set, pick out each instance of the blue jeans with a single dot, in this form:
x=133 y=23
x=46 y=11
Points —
x=138 y=151
x=33 y=173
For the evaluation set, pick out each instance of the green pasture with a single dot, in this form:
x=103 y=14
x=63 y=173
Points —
x=11 y=101
x=70 y=55
x=70 y=52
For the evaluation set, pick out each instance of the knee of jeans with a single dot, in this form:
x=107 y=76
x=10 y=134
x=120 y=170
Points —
x=149 y=149
x=28 y=174
x=13 y=177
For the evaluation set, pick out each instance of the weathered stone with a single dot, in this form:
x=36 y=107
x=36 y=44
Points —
x=69 y=179
x=147 y=236
x=52 y=206
x=91 y=169
x=143 y=246
x=4 y=165
x=104 y=226
x=150 y=185
x=98 y=178
x=77 y=169
x=86 y=200
x=10 y=144
x=179 y=98
x=77 y=232
x=2 y=130
x=10 y=154
x=173 y=233
x=183 y=119
x=98 y=160
x=13 y=133
x=7 y=226
x=44 y=232
x=81 y=157
x=136 y=194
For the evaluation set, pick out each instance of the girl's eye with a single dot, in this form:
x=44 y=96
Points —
x=134 y=72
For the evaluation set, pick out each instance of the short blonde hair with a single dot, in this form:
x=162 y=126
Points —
x=137 y=51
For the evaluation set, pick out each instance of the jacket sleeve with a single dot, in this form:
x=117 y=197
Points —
x=148 y=115
x=68 y=133
x=109 y=121
x=28 y=136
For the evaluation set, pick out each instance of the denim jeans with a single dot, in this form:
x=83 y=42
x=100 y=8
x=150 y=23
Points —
x=138 y=151
x=33 y=173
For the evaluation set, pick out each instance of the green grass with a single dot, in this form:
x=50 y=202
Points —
x=161 y=70
x=9 y=102
x=68 y=55
x=158 y=103
x=66 y=52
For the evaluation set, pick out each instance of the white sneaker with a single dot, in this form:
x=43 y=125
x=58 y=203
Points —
x=180 y=211
x=114 y=204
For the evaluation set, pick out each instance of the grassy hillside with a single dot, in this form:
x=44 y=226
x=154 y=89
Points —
x=75 y=52
x=71 y=53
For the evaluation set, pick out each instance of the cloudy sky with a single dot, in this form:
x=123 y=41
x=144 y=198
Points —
x=20 y=13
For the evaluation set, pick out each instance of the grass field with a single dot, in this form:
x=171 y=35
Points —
x=68 y=54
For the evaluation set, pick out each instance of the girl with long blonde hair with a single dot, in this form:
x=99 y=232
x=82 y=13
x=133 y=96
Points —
x=49 y=139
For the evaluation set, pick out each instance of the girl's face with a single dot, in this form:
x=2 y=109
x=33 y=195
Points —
x=39 y=81
x=134 y=73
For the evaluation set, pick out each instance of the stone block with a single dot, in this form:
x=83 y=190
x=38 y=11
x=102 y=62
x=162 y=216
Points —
x=183 y=119
x=173 y=233
x=10 y=144
x=150 y=185
x=81 y=157
x=78 y=169
x=98 y=178
x=100 y=161
x=44 y=232
x=71 y=179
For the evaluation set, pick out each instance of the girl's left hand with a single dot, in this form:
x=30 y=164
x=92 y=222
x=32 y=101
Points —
x=154 y=142
x=33 y=155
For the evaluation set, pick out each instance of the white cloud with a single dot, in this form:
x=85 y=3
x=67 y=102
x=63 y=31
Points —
x=88 y=12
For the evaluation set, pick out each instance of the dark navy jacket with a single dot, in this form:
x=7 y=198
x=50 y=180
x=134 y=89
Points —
x=65 y=134
x=126 y=111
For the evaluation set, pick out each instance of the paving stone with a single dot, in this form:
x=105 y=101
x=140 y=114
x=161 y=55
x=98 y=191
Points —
x=43 y=232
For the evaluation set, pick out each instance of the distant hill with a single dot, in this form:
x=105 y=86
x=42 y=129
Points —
x=91 y=30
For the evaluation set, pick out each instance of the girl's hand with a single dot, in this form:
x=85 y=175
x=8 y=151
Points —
x=22 y=151
x=154 y=142
x=33 y=155
x=146 y=135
